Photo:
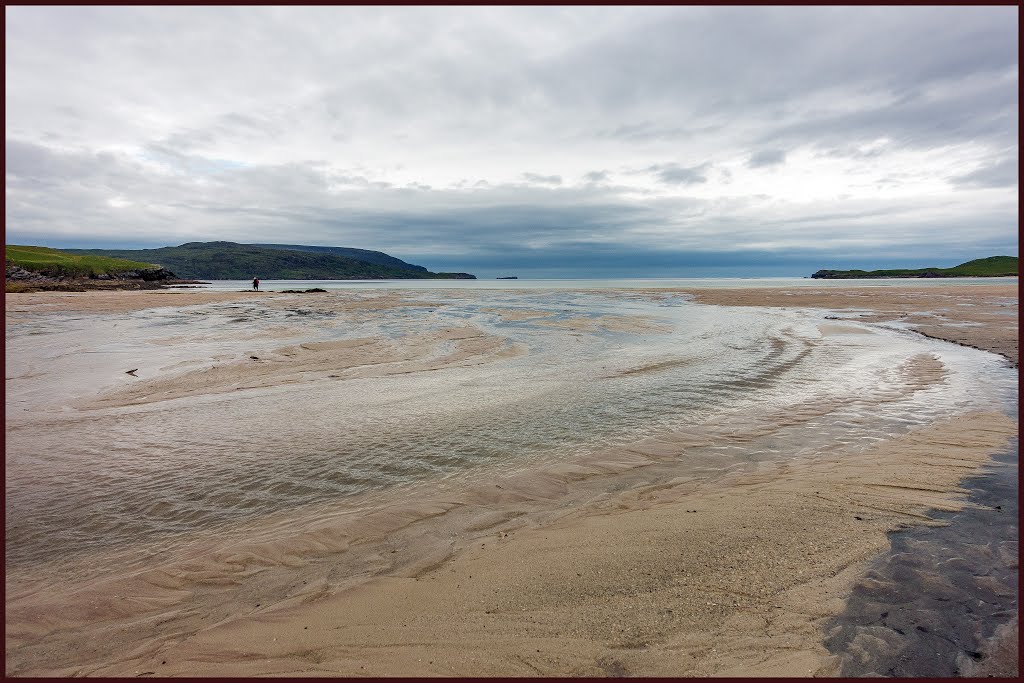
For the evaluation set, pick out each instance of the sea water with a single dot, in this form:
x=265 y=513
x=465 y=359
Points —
x=593 y=283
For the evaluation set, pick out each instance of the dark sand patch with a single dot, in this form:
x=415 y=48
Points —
x=942 y=602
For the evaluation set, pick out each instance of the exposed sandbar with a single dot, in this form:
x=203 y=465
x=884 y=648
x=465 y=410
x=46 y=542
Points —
x=982 y=316
x=113 y=302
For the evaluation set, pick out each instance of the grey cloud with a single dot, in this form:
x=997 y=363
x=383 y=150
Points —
x=360 y=181
x=698 y=68
x=262 y=204
x=230 y=126
x=293 y=121
x=674 y=174
x=34 y=166
x=767 y=157
x=988 y=113
x=999 y=174
x=851 y=152
x=543 y=179
x=245 y=122
x=187 y=140
x=645 y=132
x=238 y=202
x=728 y=59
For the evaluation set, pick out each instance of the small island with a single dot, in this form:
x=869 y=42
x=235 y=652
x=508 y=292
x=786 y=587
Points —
x=993 y=266
x=508 y=277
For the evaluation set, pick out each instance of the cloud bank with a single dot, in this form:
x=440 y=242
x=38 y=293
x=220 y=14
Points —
x=574 y=140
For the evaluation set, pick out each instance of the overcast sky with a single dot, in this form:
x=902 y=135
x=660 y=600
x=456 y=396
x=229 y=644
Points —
x=575 y=141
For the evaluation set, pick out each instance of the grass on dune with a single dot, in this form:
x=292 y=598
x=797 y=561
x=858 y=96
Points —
x=59 y=264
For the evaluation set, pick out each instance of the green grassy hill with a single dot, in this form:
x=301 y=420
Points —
x=378 y=257
x=232 y=261
x=993 y=266
x=55 y=263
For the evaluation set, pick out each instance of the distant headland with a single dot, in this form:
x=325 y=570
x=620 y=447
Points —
x=209 y=261
x=993 y=266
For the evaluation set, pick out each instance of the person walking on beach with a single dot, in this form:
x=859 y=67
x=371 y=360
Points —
x=255 y=284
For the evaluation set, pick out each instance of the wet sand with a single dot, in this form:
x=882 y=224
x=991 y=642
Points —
x=736 y=579
x=737 y=576
x=981 y=316
x=112 y=302
x=939 y=586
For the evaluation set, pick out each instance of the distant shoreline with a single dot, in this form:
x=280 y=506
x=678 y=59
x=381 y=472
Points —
x=902 y=277
x=992 y=266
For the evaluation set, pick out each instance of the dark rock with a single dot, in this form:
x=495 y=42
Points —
x=147 y=275
x=29 y=280
x=19 y=274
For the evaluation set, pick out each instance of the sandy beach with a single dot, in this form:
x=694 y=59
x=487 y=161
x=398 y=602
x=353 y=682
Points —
x=619 y=565
x=606 y=591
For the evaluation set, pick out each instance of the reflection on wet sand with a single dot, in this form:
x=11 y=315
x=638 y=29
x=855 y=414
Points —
x=311 y=361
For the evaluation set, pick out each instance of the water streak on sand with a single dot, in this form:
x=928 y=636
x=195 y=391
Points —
x=275 y=427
